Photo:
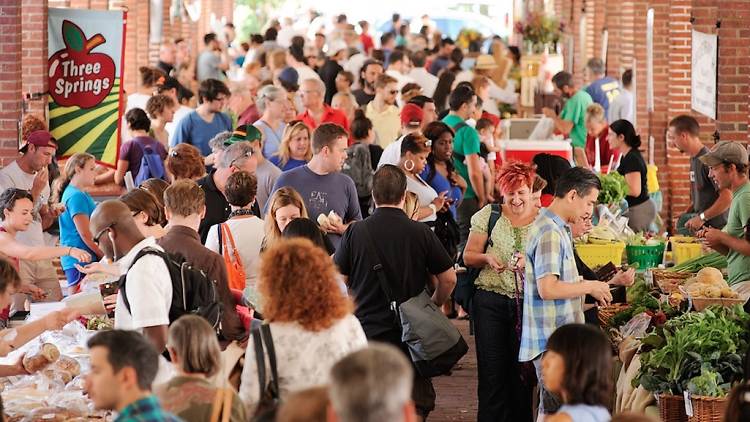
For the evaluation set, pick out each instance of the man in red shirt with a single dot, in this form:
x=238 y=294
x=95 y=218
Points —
x=367 y=43
x=316 y=111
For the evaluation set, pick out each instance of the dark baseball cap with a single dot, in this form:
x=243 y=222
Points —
x=726 y=152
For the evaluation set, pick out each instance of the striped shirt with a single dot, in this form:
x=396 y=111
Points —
x=549 y=251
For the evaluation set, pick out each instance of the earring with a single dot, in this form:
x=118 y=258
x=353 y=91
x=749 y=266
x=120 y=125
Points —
x=409 y=165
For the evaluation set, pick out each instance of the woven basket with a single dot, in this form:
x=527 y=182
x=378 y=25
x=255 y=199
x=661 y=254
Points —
x=606 y=313
x=672 y=408
x=708 y=409
x=701 y=303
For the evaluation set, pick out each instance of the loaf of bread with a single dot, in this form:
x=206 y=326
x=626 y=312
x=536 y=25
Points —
x=40 y=357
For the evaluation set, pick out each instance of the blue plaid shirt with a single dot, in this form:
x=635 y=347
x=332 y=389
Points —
x=146 y=410
x=549 y=251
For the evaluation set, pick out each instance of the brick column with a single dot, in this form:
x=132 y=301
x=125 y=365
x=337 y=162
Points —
x=34 y=53
x=10 y=78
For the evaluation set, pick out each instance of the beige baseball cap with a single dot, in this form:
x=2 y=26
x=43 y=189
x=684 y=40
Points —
x=726 y=152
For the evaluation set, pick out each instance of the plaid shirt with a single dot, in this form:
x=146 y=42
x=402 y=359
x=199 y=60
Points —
x=549 y=251
x=146 y=410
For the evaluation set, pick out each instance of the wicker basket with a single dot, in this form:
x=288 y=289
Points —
x=708 y=409
x=671 y=408
x=606 y=313
x=701 y=303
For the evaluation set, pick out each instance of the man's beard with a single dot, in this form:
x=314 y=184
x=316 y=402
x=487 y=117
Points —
x=370 y=86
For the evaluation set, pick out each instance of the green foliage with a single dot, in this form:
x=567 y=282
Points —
x=258 y=19
x=614 y=188
x=698 y=351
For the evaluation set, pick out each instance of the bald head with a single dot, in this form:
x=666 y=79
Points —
x=115 y=216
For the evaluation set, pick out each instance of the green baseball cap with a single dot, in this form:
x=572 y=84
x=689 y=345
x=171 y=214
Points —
x=244 y=133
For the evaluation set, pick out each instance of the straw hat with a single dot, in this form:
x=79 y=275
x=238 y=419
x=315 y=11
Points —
x=485 y=62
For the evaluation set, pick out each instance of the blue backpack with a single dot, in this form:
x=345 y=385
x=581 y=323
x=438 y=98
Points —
x=152 y=166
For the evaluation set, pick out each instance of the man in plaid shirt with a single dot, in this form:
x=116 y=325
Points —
x=123 y=366
x=553 y=293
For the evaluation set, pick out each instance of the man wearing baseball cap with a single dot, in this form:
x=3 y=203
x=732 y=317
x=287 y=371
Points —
x=29 y=172
x=411 y=121
x=265 y=172
x=728 y=167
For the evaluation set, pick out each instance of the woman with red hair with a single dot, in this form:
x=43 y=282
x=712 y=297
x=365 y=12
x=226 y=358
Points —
x=496 y=308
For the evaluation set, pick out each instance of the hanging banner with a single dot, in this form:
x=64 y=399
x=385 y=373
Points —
x=85 y=73
x=703 y=75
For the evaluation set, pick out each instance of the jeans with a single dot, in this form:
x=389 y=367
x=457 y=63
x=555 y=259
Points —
x=503 y=396
x=466 y=209
x=548 y=402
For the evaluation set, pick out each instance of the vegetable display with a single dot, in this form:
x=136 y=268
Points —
x=614 y=188
x=713 y=259
x=699 y=352
x=641 y=300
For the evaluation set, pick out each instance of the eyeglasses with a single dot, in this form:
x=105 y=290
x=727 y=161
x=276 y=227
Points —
x=102 y=231
x=247 y=154
x=393 y=91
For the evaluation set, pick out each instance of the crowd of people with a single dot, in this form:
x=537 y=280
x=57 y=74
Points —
x=308 y=166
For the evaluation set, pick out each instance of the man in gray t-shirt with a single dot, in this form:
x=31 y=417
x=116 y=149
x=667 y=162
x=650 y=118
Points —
x=212 y=61
x=322 y=185
x=709 y=205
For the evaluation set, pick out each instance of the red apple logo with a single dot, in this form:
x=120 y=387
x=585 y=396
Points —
x=78 y=77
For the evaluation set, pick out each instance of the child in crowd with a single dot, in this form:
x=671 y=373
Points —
x=488 y=151
x=577 y=368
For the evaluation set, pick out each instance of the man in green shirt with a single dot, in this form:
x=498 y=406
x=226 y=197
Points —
x=572 y=119
x=463 y=103
x=728 y=166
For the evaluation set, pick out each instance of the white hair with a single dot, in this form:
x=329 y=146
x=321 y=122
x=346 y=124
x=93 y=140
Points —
x=268 y=93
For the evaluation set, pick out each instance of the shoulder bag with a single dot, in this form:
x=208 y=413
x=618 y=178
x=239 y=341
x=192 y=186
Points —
x=434 y=344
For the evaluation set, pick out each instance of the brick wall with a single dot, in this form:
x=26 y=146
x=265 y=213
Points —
x=23 y=50
x=672 y=57
x=10 y=76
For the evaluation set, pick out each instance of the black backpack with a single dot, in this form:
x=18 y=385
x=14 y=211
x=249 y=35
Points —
x=465 y=288
x=192 y=291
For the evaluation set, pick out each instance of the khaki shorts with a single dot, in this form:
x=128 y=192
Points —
x=43 y=275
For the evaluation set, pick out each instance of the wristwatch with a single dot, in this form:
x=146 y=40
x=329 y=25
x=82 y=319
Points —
x=433 y=208
x=702 y=216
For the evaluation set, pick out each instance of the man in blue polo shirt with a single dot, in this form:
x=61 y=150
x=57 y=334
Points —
x=207 y=121
x=603 y=89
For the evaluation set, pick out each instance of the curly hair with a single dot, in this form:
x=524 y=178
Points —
x=156 y=105
x=514 y=175
x=185 y=162
x=30 y=124
x=297 y=282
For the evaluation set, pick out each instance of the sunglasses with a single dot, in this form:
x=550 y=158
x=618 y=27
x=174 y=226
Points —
x=393 y=91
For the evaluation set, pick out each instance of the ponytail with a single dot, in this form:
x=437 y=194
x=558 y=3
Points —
x=76 y=161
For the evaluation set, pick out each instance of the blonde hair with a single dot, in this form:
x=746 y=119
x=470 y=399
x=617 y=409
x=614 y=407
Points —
x=284 y=153
x=411 y=204
x=280 y=199
x=75 y=162
x=193 y=340
x=595 y=112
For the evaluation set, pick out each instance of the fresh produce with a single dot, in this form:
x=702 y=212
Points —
x=709 y=283
x=614 y=188
x=713 y=259
x=602 y=235
x=639 y=239
x=641 y=300
x=698 y=351
x=100 y=322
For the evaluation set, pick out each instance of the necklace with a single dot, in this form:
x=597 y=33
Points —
x=241 y=212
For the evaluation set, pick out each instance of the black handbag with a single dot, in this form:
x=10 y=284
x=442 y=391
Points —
x=435 y=344
x=269 y=401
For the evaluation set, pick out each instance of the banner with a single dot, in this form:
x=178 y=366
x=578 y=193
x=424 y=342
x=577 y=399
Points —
x=703 y=75
x=85 y=73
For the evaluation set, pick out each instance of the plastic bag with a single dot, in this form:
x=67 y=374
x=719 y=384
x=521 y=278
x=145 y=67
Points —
x=637 y=326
